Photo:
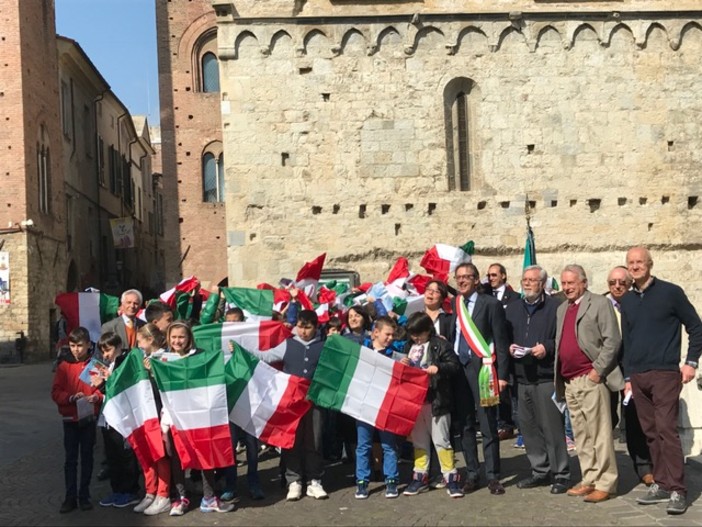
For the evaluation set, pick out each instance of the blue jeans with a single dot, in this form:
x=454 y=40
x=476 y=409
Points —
x=568 y=425
x=388 y=441
x=252 y=446
x=78 y=438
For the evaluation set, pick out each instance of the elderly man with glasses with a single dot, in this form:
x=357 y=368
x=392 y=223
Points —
x=479 y=335
x=532 y=329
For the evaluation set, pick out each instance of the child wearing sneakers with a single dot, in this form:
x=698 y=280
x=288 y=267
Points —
x=157 y=477
x=181 y=345
x=435 y=356
x=380 y=340
x=122 y=463
x=69 y=392
x=241 y=440
x=300 y=357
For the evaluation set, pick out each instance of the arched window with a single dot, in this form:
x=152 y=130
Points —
x=44 y=172
x=210 y=73
x=457 y=114
x=212 y=178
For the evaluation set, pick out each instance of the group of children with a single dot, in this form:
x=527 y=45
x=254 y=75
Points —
x=303 y=464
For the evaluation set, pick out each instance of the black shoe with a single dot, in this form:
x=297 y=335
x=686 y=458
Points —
x=469 y=486
x=68 y=505
x=104 y=474
x=496 y=487
x=86 y=505
x=532 y=482
x=560 y=486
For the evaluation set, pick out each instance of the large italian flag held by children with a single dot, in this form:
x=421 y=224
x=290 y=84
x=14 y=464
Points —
x=261 y=335
x=194 y=393
x=130 y=408
x=263 y=401
x=367 y=385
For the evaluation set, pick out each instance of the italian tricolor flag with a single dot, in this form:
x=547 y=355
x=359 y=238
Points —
x=89 y=310
x=368 y=386
x=193 y=391
x=263 y=401
x=257 y=304
x=261 y=335
x=408 y=304
x=308 y=276
x=443 y=259
x=129 y=407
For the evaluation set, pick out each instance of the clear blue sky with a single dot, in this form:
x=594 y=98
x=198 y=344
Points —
x=119 y=36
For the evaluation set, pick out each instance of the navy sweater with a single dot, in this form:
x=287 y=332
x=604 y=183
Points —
x=527 y=329
x=299 y=357
x=651 y=328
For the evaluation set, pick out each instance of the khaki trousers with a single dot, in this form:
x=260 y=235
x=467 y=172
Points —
x=590 y=413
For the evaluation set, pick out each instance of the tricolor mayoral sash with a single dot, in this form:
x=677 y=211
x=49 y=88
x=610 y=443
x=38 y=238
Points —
x=487 y=377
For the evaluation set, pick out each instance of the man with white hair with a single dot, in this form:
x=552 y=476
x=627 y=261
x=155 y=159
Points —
x=586 y=370
x=127 y=323
x=531 y=324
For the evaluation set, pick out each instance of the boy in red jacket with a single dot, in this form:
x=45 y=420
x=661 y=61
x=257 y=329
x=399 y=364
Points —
x=70 y=394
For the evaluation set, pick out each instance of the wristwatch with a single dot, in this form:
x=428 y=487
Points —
x=691 y=363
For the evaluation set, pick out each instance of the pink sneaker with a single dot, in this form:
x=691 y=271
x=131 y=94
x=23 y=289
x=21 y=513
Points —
x=180 y=507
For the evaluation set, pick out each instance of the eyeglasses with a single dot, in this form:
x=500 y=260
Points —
x=493 y=275
x=432 y=291
x=530 y=280
x=618 y=282
x=464 y=277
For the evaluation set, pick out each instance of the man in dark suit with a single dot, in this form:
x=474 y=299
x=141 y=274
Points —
x=499 y=288
x=488 y=318
x=507 y=413
x=127 y=323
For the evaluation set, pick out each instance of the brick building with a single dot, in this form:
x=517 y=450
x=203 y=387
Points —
x=191 y=141
x=73 y=159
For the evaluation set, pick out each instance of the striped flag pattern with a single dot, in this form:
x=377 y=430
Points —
x=263 y=401
x=89 y=310
x=130 y=408
x=193 y=390
x=368 y=386
x=261 y=335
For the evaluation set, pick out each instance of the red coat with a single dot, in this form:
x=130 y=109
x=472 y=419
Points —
x=67 y=383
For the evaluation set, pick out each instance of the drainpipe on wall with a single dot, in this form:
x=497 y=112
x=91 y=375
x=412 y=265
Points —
x=101 y=155
x=121 y=199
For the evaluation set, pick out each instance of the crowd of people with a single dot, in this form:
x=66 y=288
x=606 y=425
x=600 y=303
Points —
x=551 y=367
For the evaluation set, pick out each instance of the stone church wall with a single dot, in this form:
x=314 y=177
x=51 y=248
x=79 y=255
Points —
x=337 y=137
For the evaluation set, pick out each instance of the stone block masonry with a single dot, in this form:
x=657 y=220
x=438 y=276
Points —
x=584 y=119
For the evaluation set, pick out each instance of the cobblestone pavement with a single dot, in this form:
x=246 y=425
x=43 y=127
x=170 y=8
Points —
x=31 y=479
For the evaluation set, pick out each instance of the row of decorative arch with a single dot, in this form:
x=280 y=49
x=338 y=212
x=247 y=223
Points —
x=453 y=33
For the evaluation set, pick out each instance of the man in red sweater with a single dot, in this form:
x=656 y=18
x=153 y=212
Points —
x=586 y=370
x=79 y=404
